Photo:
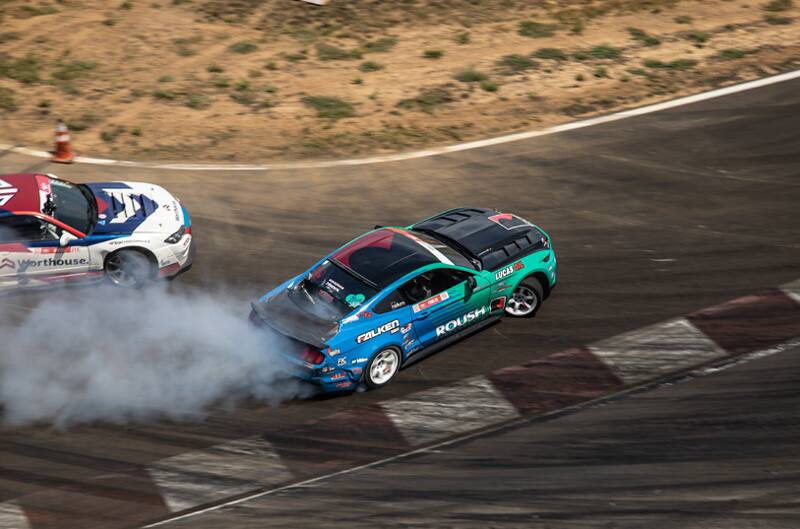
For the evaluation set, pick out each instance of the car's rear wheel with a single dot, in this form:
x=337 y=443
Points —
x=382 y=368
x=129 y=269
x=526 y=299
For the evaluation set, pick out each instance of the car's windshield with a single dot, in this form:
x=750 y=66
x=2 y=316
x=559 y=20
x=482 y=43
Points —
x=331 y=292
x=74 y=205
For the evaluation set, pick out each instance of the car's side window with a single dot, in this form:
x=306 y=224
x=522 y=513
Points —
x=431 y=283
x=421 y=288
x=395 y=300
x=26 y=228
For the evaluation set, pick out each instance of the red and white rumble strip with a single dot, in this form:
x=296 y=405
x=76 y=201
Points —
x=360 y=436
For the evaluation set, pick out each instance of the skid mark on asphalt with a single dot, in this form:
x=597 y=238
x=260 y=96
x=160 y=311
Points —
x=223 y=470
x=434 y=414
x=12 y=516
x=657 y=350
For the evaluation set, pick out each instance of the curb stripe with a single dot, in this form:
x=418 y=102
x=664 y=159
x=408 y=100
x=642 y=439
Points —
x=558 y=381
x=202 y=476
x=347 y=437
x=656 y=350
x=750 y=323
x=434 y=414
x=12 y=516
x=649 y=109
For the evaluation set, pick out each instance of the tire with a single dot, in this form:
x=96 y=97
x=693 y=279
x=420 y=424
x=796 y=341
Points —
x=526 y=299
x=377 y=375
x=129 y=269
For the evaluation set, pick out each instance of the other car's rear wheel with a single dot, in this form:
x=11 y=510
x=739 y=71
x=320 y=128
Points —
x=129 y=269
x=382 y=368
x=526 y=299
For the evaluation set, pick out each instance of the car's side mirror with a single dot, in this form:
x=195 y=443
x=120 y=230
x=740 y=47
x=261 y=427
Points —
x=65 y=239
x=469 y=287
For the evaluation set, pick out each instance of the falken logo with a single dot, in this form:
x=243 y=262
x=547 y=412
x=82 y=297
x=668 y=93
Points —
x=452 y=325
x=7 y=192
x=392 y=327
x=507 y=271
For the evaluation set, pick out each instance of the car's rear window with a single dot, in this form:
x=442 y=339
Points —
x=384 y=255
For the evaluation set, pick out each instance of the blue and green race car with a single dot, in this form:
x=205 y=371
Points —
x=397 y=294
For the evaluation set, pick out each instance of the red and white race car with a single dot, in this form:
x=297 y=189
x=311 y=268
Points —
x=54 y=231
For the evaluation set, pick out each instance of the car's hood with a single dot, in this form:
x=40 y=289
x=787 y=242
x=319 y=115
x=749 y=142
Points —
x=283 y=315
x=133 y=207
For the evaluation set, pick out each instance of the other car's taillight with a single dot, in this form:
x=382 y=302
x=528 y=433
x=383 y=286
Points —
x=312 y=356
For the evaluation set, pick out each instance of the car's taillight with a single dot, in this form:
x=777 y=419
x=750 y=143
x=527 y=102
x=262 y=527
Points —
x=312 y=356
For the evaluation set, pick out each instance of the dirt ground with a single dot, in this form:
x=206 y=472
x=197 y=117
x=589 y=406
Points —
x=260 y=80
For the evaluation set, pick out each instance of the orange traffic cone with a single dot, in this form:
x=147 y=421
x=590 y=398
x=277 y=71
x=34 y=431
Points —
x=63 y=152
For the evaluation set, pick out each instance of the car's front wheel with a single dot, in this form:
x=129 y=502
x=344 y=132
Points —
x=382 y=368
x=129 y=269
x=526 y=299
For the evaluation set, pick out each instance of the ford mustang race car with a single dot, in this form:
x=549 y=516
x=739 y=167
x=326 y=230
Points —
x=395 y=295
x=54 y=231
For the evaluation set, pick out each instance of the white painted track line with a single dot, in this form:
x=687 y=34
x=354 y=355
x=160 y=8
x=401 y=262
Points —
x=434 y=414
x=792 y=290
x=654 y=351
x=223 y=470
x=649 y=109
x=12 y=516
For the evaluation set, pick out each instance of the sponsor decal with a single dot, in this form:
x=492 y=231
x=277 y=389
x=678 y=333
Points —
x=461 y=321
x=359 y=360
x=397 y=304
x=405 y=328
x=344 y=384
x=338 y=376
x=354 y=300
x=342 y=361
x=332 y=352
x=24 y=264
x=391 y=327
x=356 y=370
x=415 y=349
x=366 y=314
x=128 y=241
x=7 y=192
x=430 y=302
x=333 y=286
x=327 y=369
x=499 y=303
x=507 y=271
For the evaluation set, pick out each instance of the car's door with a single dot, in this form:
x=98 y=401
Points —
x=445 y=301
x=31 y=253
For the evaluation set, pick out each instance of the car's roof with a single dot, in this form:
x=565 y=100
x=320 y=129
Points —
x=21 y=192
x=479 y=230
x=387 y=254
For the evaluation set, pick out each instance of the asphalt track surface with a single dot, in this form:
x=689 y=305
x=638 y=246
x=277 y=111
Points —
x=716 y=452
x=652 y=217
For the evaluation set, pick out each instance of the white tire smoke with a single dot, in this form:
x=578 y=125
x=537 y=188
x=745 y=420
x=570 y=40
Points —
x=106 y=354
